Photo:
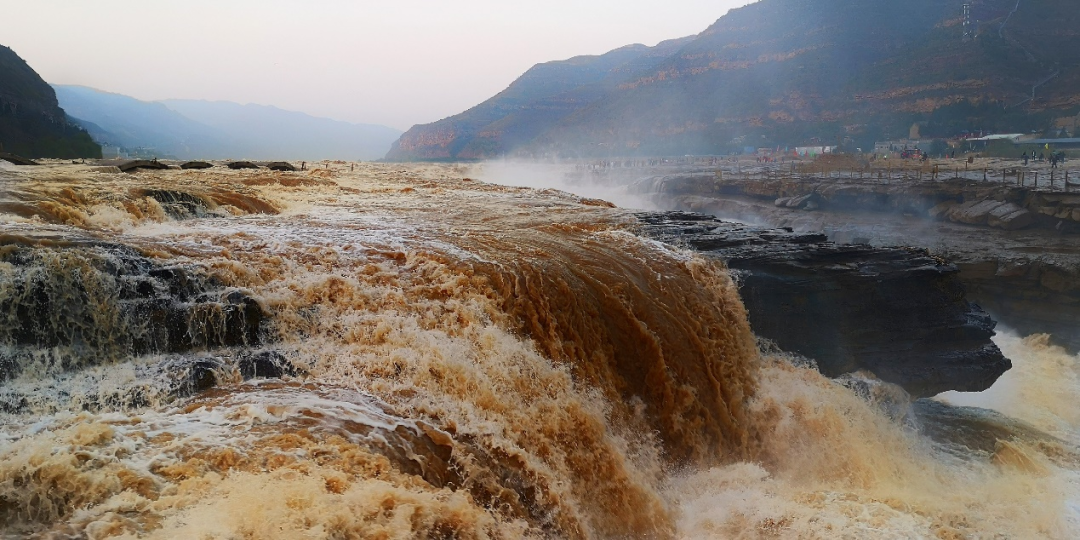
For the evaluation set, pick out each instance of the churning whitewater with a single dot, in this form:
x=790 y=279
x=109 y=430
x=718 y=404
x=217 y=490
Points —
x=379 y=351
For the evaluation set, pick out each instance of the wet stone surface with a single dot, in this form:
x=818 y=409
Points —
x=66 y=308
x=899 y=313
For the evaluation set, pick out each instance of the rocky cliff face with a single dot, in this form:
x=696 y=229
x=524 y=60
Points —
x=898 y=313
x=781 y=72
x=31 y=122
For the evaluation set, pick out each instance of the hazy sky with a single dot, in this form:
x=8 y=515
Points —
x=393 y=62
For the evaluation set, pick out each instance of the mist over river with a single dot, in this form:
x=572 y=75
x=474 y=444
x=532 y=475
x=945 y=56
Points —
x=397 y=351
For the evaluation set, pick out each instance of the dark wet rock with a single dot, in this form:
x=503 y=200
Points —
x=242 y=165
x=281 y=166
x=196 y=165
x=190 y=376
x=180 y=205
x=148 y=164
x=65 y=308
x=898 y=313
x=185 y=375
x=16 y=160
x=13 y=404
x=1032 y=293
x=265 y=365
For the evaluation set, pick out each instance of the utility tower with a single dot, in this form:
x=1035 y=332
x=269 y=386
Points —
x=969 y=31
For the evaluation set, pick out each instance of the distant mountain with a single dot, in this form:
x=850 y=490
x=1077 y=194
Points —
x=118 y=120
x=220 y=130
x=32 y=124
x=533 y=104
x=788 y=72
x=262 y=132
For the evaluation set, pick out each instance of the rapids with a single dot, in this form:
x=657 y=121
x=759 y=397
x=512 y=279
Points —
x=387 y=351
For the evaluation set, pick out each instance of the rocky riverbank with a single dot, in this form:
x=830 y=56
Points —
x=1016 y=249
x=1000 y=205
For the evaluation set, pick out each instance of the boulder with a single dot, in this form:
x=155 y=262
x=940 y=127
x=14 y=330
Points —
x=16 y=160
x=196 y=165
x=265 y=365
x=137 y=164
x=808 y=202
x=940 y=210
x=235 y=165
x=179 y=204
x=281 y=166
x=973 y=212
x=1010 y=217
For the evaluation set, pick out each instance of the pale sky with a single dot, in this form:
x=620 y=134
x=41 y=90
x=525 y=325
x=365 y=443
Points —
x=388 y=62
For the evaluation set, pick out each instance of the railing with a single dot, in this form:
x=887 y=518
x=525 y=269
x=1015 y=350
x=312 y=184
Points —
x=1039 y=178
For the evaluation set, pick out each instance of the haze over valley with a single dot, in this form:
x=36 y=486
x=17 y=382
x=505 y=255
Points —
x=192 y=129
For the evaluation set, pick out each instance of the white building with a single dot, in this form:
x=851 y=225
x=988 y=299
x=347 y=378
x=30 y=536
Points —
x=814 y=150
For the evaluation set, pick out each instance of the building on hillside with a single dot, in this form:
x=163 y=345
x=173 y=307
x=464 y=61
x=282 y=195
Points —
x=814 y=151
x=884 y=148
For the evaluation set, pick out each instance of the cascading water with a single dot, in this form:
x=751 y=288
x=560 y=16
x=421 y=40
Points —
x=400 y=352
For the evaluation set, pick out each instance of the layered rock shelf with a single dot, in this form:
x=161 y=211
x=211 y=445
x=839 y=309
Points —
x=899 y=313
x=86 y=304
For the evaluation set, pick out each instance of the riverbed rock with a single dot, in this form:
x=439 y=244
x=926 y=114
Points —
x=196 y=165
x=803 y=201
x=898 y=313
x=281 y=166
x=180 y=204
x=939 y=210
x=973 y=212
x=1010 y=217
x=82 y=305
x=148 y=164
x=16 y=160
x=235 y=165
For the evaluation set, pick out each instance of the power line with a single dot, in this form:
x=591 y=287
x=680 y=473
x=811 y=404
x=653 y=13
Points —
x=1007 y=17
x=969 y=32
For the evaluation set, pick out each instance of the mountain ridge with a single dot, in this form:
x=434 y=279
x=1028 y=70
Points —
x=199 y=129
x=792 y=72
x=32 y=123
